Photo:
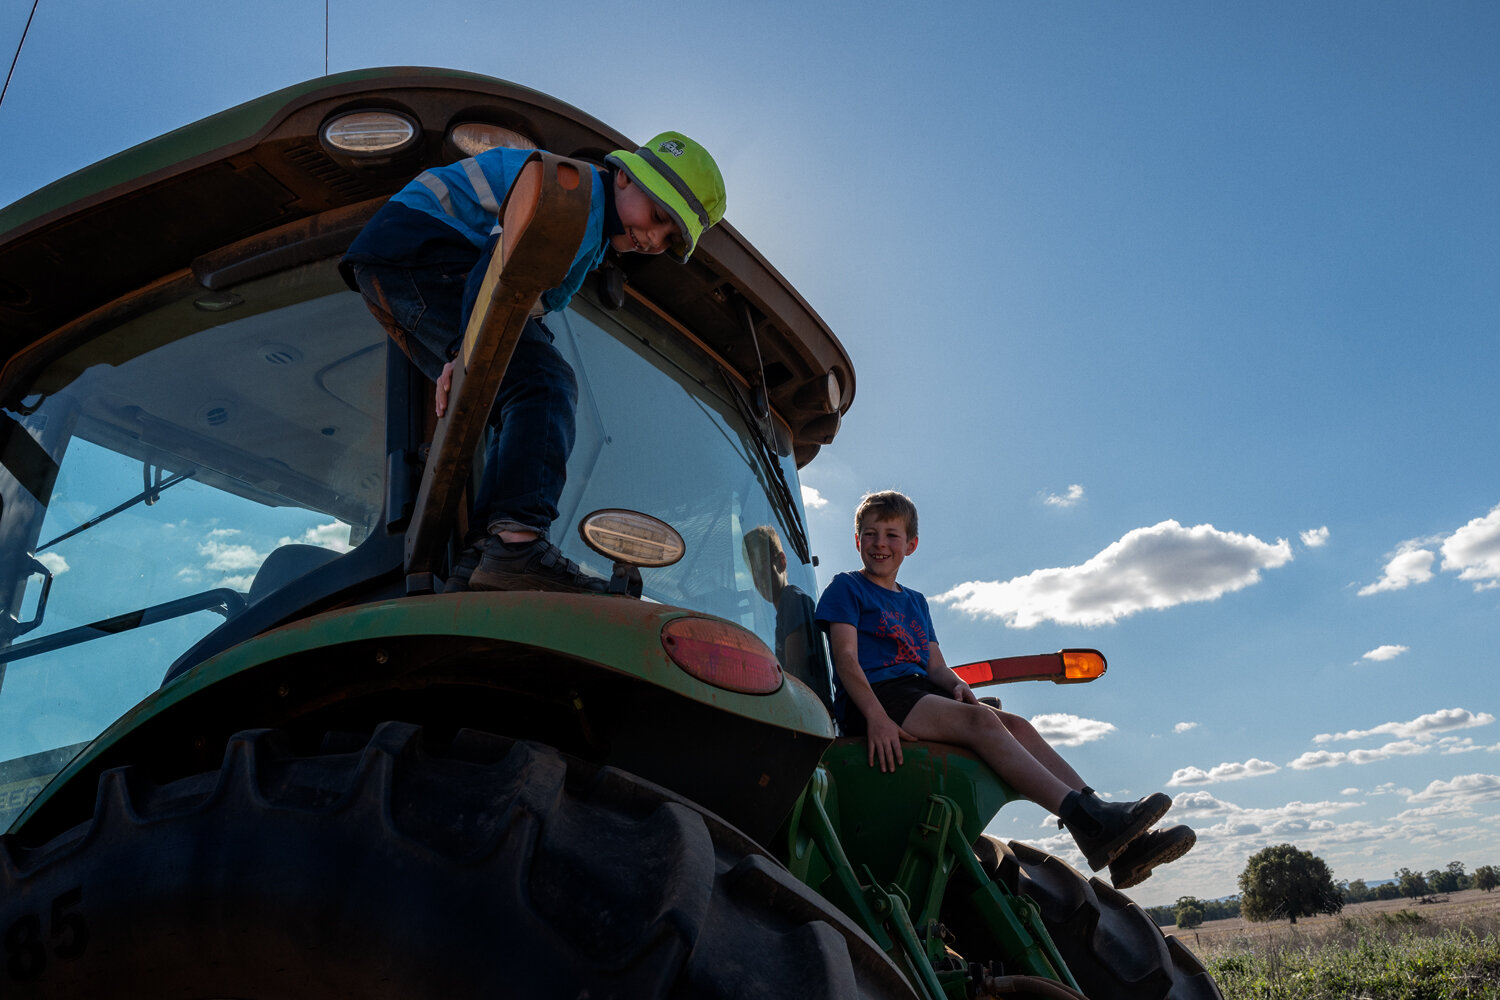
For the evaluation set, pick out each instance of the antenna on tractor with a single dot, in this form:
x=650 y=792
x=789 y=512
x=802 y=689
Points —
x=22 y=42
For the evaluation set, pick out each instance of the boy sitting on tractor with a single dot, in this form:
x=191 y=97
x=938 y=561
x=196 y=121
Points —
x=893 y=685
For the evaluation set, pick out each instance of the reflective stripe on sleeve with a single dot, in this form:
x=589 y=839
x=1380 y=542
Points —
x=483 y=193
x=439 y=190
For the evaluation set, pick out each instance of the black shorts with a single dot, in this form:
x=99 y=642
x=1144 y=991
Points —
x=897 y=696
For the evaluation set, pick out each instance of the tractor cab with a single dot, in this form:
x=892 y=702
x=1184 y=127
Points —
x=206 y=438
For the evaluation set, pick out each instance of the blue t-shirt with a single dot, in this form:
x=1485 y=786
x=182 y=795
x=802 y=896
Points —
x=894 y=629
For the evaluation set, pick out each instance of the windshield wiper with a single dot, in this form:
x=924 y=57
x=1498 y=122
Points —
x=220 y=600
x=148 y=496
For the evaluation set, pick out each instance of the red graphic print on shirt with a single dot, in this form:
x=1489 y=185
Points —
x=908 y=636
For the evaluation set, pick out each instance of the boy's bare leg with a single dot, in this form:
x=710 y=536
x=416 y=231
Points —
x=1034 y=744
x=983 y=731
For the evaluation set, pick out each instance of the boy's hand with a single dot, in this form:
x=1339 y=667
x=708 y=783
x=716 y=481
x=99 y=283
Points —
x=444 y=383
x=885 y=739
x=962 y=692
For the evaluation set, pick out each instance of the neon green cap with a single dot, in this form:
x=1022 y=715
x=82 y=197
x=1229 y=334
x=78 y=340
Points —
x=683 y=179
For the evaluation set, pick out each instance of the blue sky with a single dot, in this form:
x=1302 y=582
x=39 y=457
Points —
x=1178 y=321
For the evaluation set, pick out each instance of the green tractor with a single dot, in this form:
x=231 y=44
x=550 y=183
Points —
x=248 y=745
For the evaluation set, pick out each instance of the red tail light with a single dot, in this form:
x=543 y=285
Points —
x=722 y=655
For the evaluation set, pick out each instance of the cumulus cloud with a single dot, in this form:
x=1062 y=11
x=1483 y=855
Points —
x=1423 y=727
x=1183 y=727
x=1410 y=564
x=1062 y=729
x=1335 y=758
x=1458 y=744
x=1466 y=790
x=333 y=536
x=1068 y=499
x=1148 y=569
x=1228 y=771
x=56 y=564
x=1386 y=652
x=1238 y=819
x=227 y=556
x=1473 y=551
x=1316 y=538
x=812 y=499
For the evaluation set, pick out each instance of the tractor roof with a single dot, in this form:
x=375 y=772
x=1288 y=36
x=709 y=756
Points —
x=230 y=196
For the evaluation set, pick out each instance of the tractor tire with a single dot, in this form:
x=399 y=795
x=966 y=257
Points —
x=391 y=865
x=1113 y=949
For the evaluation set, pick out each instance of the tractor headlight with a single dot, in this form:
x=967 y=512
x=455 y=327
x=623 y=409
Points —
x=473 y=138
x=369 y=134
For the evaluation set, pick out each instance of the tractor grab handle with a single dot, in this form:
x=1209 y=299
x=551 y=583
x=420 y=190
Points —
x=1070 y=666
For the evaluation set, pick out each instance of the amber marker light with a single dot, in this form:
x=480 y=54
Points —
x=1069 y=666
x=721 y=654
x=1082 y=664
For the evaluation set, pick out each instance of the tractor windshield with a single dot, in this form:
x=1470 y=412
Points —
x=205 y=449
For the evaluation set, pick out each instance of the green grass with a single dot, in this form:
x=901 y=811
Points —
x=1384 y=956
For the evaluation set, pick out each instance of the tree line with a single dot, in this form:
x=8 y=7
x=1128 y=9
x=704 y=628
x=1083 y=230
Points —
x=1283 y=883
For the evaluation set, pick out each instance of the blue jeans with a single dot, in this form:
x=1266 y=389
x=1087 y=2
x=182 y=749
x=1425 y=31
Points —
x=531 y=424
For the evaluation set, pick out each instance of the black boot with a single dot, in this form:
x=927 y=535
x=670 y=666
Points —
x=1102 y=829
x=1154 y=847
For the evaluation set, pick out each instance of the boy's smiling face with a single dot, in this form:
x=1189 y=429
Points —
x=648 y=229
x=883 y=545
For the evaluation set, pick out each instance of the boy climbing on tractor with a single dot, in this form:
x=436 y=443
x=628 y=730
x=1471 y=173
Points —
x=893 y=685
x=419 y=263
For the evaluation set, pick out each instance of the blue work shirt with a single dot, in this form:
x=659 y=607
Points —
x=448 y=214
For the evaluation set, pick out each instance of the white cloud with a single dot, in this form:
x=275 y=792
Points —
x=1458 y=744
x=1202 y=805
x=1409 y=565
x=1336 y=758
x=1062 y=729
x=1466 y=789
x=1068 y=499
x=1473 y=551
x=1423 y=727
x=1350 y=791
x=226 y=557
x=56 y=564
x=1148 y=569
x=333 y=536
x=1229 y=771
x=1183 y=727
x=1386 y=652
x=1316 y=538
x=812 y=499
x=1318 y=758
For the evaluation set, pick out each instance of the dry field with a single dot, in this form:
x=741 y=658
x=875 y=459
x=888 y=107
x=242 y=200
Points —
x=1381 y=950
x=1472 y=907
